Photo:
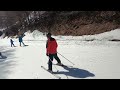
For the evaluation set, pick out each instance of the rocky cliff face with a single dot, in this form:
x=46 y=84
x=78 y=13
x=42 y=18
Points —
x=85 y=23
x=74 y=23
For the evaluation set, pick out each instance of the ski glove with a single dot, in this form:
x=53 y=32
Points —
x=47 y=54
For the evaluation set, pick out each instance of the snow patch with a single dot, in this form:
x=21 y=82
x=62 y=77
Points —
x=114 y=34
x=35 y=35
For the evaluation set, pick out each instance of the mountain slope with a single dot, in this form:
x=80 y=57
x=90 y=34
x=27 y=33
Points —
x=74 y=23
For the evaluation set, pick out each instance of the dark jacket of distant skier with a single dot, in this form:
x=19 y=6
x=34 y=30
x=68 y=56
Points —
x=1 y=33
x=21 y=37
x=0 y=54
x=11 y=41
x=12 y=44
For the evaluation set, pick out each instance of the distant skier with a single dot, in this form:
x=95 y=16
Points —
x=12 y=44
x=21 y=40
x=51 y=48
x=0 y=54
x=1 y=33
x=2 y=57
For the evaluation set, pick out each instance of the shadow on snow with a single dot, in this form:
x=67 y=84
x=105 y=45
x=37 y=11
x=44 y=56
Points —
x=76 y=72
x=8 y=63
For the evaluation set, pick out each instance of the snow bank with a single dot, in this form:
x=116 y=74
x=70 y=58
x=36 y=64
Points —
x=111 y=35
x=35 y=35
x=114 y=34
x=107 y=36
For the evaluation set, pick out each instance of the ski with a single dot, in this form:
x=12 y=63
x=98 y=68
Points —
x=51 y=72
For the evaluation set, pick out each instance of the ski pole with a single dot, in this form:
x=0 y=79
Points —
x=66 y=59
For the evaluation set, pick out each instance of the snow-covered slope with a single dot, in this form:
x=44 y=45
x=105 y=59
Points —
x=35 y=35
x=114 y=34
x=96 y=59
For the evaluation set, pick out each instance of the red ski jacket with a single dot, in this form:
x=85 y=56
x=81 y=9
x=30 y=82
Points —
x=51 y=46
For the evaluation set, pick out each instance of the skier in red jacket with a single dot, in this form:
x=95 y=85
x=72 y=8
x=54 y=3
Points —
x=51 y=48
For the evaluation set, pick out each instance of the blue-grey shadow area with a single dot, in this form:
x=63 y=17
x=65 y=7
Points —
x=76 y=72
x=6 y=65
